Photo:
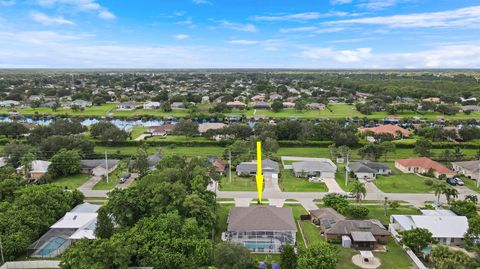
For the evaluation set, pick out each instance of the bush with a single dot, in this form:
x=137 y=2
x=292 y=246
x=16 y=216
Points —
x=336 y=201
x=428 y=182
x=357 y=212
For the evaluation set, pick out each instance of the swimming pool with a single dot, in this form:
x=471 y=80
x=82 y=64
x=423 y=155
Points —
x=257 y=245
x=51 y=246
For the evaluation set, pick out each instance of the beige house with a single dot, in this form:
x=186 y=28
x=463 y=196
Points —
x=37 y=170
x=422 y=165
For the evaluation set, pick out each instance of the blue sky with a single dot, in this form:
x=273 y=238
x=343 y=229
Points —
x=240 y=33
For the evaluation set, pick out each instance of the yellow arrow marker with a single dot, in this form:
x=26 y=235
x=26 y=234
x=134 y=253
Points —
x=259 y=176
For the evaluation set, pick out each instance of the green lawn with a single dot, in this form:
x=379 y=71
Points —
x=222 y=215
x=238 y=183
x=378 y=212
x=399 y=182
x=167 y=150
x=340 y=177
x=394 y=258
x=71 y=182
x=137 y=131
x=113 y=178
x=470 y=183
x=298 y=210
x=289 y=183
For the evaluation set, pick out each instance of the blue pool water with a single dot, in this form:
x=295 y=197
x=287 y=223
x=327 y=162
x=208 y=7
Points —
x=257 y=245
x=53 y=245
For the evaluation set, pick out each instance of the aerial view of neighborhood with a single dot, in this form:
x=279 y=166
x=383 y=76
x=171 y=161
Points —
x=239 y=134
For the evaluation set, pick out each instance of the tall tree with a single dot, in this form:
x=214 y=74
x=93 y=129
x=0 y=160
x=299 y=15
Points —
x=230 y=255
x=141 y=161
x=358 y=189
x=318 y=256
x=104 y=227
x=186 y=128
x=64 y=163
x=417 y=239
x=288 y=257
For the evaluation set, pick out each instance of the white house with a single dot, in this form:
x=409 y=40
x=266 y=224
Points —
x=446 y=227
x=151 y=105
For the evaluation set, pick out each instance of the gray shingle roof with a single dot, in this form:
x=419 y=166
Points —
x=267 y=166
x=312 y=166
x=366 y=166
x=344 y=227
x=90 y=164
x=261 y=218
x=471 y=166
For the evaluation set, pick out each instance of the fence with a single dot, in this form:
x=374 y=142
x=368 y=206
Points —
x=418 y=263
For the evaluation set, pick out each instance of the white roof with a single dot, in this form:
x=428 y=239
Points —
x=73 y=220
x=86 y=208
x=439 y=226
x=366 y=254
x=438 y=212
x=40 y=166
x=80 y=234
x=3 y=161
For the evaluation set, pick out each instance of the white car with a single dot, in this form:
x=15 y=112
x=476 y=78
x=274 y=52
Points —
x=459 y=181
x=315 y=179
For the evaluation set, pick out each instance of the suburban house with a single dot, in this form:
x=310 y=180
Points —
x=322 y=167
x=325 y=217
x=98 y=167
x=78 y=103
x=9 y=103
x=128 y=106
x=269 y=168
x=219 y=165
x=316 y=106
x=77 y=224
x=274 y=96
x=422 y=165
x=204 y=127
x=261 y=105
x=152 y=161
x=236 y=105
x=151 y=105
x=38 y=168
x=470 y=169
x=432 y=99
x=394 y=130
x=161 y=130
x=261 y=229
x=288 y=105
x=446 y=227
x=258 y=98
x=473 y=108
x=364 y=234
x=368 y=170
x=177 y=105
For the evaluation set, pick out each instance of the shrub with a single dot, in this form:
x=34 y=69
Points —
x=357 y=212
x=428 y=182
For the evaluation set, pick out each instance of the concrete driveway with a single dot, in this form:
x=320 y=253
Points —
x=333 y=186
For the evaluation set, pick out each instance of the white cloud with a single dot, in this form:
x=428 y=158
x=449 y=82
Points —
x=312 y=29
x=247 y=27
x=370 y=4
x=7 y=3
x=463 y=17
x=80 y=5
x=202 y=2
x=290 y=17
x=243 y=42
x=39 y=37
x=342 y=56
x=340 y=2
x=181 y=36
x=46 y=20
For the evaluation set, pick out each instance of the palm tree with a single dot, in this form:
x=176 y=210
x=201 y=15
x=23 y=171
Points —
x=450 y=193
x=438 y=188
x=359 y=190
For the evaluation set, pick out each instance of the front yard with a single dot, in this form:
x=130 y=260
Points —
x=71 y=182
x=289 y=183
x=399 y=182
x=238 y=183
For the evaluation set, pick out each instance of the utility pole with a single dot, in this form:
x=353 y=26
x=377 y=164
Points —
x=478 y=179
x=1 y=251
x=106 y=165
x=230 y=165
x=385 y=205
x=346 y=172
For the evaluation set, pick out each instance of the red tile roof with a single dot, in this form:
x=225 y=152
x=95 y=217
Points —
x=388 y=128
x=424 y=163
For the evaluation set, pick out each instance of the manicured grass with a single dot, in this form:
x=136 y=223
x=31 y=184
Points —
x=168 y=150
x=298 y=210
x=340 y=178
x=71 y=182
x=311 y=232
x=289 y=183
x=238 y=183
x=113 y=178
x=176 y=138
x=399 y=182
x=394 y=258
x=222 y=215
x=137 y=131
x=377 y=212
x=470 y=183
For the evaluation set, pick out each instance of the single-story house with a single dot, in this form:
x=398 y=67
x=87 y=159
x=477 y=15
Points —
x=470 y=169
x=261 y=229
x=49 y=104
x=288 y=105
x=128 y=106
x=161 y=130
x=38 y=168
x=219 y=165
x=177 y=105
x=323 y=168
x=473 y=108
x=236 y=105
x=9 y=103
x=269 y=168
x=81 y=103
x=77 y=224
x=364 y=233
x=258 y=98
x=368 y=170
x=432 y=99
x=151 y=105
x=98 y=167
x=421 y=165
x=152 y=160
x=394 y=130
x=275 y=96
x=316 y=106
x=325 y=217
x=446 y=227
x=261 y=105
x=204 y=127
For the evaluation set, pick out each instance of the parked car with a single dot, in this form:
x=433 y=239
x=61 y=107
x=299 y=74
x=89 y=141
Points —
x=459 y=181
x=350 y=195
x=452 y=181
x=315 y=179
x=124 y=178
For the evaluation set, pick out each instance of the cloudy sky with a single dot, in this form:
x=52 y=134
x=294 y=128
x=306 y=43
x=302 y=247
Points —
x=240 y=33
